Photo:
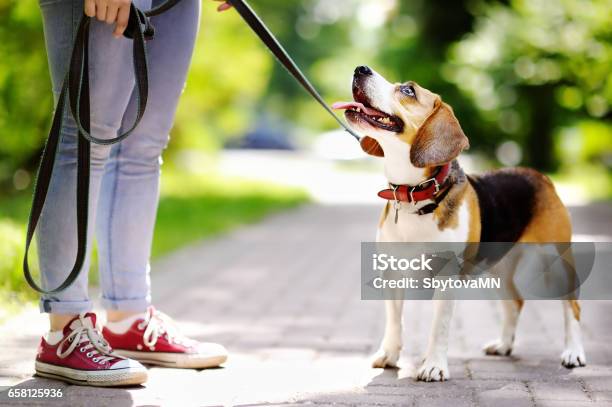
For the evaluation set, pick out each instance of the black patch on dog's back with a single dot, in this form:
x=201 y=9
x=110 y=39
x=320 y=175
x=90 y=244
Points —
x=506 y=199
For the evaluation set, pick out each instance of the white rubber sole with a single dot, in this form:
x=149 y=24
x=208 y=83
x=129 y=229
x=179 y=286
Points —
x=177 y=360
x=102 y=378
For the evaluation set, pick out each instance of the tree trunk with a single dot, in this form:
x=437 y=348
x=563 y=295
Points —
x=539 y=143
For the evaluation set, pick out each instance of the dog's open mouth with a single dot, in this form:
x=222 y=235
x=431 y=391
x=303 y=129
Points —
x=358 y=111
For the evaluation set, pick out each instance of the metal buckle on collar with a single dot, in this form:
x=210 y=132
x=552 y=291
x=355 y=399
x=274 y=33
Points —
x=420 y=184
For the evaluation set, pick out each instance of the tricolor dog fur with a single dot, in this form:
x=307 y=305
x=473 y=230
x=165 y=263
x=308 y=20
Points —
x=418 y=136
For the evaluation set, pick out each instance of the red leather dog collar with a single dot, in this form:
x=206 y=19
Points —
x=423 y=191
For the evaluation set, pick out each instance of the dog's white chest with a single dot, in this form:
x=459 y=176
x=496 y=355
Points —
x=411 y=227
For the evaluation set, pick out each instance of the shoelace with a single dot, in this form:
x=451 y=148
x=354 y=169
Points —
x=93 y=342
x=159 y=325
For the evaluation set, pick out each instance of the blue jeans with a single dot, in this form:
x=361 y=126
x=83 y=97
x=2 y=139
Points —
x=124 y=189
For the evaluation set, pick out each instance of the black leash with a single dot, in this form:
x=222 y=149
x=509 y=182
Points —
x=270 y=41
x=75 y=91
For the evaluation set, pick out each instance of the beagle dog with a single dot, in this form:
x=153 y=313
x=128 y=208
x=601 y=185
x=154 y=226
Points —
x=431 y=199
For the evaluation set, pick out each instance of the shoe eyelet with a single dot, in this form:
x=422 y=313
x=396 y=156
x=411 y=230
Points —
x=82 y=350
x=89 y=354
x=95 y=360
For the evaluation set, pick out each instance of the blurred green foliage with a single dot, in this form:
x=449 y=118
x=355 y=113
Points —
x=537 y=66
x=535 y=73
x=26 y=101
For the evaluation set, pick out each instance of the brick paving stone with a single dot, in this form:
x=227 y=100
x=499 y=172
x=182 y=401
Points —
x=602 y=396
x=564 y=391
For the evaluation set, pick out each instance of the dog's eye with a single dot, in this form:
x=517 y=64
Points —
x=408 y=91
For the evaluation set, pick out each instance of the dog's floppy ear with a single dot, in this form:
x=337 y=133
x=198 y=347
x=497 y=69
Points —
x=440 y=138
x=371 y=146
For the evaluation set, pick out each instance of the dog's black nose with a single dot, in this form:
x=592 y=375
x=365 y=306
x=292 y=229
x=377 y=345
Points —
x=363 y=70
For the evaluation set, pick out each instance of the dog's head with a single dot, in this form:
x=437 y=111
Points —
x=405 y=112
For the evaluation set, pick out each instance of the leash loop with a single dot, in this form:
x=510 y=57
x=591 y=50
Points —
x=139 y=28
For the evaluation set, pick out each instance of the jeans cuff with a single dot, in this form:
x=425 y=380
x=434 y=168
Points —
x=64 y=307
x=132 y=304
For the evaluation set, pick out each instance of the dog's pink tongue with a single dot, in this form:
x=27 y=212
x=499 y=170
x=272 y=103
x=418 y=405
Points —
x=356 y=105
x=347 y=105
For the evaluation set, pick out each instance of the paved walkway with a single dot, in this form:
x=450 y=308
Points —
x=284 y=297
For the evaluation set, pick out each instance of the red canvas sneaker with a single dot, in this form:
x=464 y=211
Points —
x=155 y=340
x=83 y=357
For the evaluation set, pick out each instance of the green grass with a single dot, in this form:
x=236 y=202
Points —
x=192 y=207
x=198 y=206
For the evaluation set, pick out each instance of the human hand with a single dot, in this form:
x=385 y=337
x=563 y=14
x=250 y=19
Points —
x=225 y=6
x=111 y=12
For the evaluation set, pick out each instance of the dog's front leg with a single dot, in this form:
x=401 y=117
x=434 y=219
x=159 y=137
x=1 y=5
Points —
x=435 y=364
x=573 y=355
x=391 y=346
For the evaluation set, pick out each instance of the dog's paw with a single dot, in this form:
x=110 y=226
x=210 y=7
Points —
x=498 y=347
x=385 y=358
x=573 y=356
x=433 y=370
